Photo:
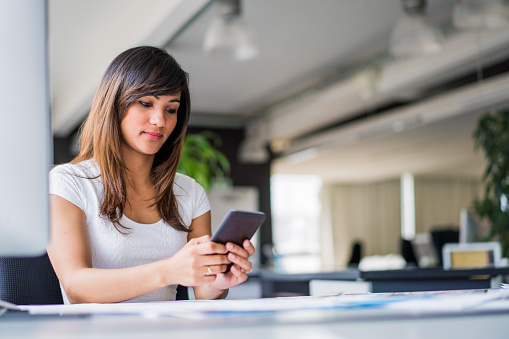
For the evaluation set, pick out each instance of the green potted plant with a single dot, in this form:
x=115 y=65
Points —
x=492 y=135
x=202 y=160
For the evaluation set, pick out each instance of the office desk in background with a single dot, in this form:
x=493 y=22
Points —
x=274 y=283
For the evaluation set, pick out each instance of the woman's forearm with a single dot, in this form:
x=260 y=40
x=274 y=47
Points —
x=94 y=285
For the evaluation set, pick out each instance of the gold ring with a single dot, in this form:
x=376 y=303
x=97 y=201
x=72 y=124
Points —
x=209 y=271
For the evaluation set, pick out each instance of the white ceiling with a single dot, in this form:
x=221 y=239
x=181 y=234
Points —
x=302 y=43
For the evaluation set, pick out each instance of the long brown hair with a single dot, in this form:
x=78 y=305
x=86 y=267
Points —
x=135 y=73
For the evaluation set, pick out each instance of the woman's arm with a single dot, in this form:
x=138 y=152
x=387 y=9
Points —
x=201 y=226
x=69 y=252
x=218 y=288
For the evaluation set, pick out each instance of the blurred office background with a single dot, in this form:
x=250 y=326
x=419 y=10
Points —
x=345 y=121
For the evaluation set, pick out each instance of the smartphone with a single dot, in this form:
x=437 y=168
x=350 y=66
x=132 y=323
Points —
x=238 y=226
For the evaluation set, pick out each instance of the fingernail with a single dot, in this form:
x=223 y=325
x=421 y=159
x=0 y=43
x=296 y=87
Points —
x=229 y=246
x=232 y=256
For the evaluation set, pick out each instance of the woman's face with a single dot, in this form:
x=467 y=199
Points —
x=148 y=123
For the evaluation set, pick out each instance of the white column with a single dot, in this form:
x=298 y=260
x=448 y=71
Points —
x=407 y=206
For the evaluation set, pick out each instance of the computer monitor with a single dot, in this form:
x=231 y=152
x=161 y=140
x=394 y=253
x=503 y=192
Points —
x=25 y=137
x=470 y=226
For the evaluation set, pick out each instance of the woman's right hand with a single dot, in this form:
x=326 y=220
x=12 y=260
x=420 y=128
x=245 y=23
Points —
x=198 y=262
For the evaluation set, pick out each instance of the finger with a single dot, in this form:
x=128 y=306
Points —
x=210 y=270
x=217 y=269
x=249 y=247
x=211 y=248
x=223 y=268
x=200 y=240
x=242 y=263
x=214 y=260
x=239 y=274
x=234 y=248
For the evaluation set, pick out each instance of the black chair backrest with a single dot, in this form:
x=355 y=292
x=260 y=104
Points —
x=407 y=252
x=356 y=255
x=440 y=237
x=29 y=281
x=32 y=281
x=182 y=293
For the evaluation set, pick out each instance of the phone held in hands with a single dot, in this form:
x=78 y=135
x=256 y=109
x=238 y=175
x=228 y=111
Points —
x=238 y=226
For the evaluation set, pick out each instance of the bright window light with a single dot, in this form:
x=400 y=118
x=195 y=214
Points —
x=296 y=211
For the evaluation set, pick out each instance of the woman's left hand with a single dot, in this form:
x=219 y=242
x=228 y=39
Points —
x=241 y=265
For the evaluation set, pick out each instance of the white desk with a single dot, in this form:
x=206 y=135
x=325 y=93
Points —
x=370 y=323
x=125 y=327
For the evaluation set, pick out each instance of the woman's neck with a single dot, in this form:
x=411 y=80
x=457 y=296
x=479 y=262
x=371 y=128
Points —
x=140 y=189
x=138 y=169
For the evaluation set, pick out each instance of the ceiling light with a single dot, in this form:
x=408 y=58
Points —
x=389 y=128
x=413 y=35
x=228 y=35
x=366 y=82
x=253 y=149
x=480 y=14
x=304 y=155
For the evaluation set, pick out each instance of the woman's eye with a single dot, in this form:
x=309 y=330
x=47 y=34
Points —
x=144 y=104
x=171 y=110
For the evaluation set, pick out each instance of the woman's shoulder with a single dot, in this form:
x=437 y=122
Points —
x=85 y=169
x=184 y=184
x=184 y=180
x=192 y=198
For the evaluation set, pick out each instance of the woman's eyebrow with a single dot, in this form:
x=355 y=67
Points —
x=172 y=100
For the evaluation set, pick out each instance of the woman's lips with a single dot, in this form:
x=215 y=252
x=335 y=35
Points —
x=153 y=135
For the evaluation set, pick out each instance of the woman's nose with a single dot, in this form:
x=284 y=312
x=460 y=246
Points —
x=157 y=118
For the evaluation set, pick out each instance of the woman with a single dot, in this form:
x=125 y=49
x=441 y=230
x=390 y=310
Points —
x=124 y=225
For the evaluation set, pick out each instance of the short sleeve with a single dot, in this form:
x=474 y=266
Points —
x=65 y=185
x=201 y=201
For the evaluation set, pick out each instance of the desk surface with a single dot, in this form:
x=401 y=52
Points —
x=486 y=320
x=323 y=325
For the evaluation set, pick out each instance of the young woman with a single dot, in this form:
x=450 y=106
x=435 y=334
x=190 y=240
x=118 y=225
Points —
x=124 y=225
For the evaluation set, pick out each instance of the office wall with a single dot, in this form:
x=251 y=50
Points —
x=369 y=213
x=439 y=200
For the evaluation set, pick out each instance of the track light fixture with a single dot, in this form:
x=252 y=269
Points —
x=228 y=35
x=413 y=35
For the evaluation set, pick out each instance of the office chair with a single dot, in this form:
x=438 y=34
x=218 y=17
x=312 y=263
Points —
x=408 y=253
x=182 y=293
x=440 y=237
x=29 y=281
x=356 y=255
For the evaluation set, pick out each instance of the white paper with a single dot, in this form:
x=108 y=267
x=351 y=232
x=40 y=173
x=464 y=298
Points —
x=423 y=302
x=208 y=306
x=453 y=301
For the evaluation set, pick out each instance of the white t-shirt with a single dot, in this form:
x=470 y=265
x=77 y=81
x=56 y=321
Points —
x=144 y=243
